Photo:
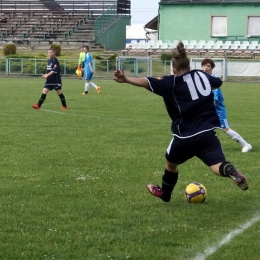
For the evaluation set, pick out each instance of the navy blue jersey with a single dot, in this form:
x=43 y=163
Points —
x=53 y=65
x=189 y=101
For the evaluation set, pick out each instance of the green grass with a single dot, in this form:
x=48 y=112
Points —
x=73 y=182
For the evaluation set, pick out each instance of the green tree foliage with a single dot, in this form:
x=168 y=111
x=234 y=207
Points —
x=56 y=48
x=9 y=49
x=166 y=56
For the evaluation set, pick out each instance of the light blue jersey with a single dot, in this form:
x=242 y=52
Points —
x=88 y=59
x=220 y=107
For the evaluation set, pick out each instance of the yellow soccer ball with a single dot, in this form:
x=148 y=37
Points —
x=195 y=193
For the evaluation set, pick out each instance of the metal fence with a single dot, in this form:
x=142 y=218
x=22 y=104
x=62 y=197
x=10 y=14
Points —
x=134 y=67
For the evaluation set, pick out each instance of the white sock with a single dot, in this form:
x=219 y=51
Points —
x=86 y=86
x=93 y=85
x=236 y=137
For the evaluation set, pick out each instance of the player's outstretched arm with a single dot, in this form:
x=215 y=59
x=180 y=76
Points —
x=120 y=77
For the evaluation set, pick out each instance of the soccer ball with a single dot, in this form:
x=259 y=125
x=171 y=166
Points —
x=195 y=193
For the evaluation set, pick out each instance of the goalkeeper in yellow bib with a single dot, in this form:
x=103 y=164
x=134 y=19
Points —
x=89 y=72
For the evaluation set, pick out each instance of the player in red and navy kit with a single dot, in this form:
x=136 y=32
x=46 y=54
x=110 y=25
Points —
x=188 y=99
x=53 y=81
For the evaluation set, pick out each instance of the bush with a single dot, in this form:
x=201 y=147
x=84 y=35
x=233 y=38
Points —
x=166 y=56
x=9 y=49
x=56 y=48
x=140 y=70
x=30 y=68
x=70 y=67
x=2 y=65
x=109 y=63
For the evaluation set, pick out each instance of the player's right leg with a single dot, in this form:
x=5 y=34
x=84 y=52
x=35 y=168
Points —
x=176 y=152
x=86 y=87
x=246 y=147
x=42 y=98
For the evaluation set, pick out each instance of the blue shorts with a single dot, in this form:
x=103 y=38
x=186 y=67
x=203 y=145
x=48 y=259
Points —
x=224 y=123
x=206 y=146
x=88 y=75
x=51 y=87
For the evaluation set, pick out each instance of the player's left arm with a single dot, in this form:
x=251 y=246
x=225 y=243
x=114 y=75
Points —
x=214 y=82
x=89 y=59
x=90 y=67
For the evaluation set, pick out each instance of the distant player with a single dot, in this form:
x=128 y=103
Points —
x=188 y=98
x=208 y=65
x=89 y=72
x=53 y=81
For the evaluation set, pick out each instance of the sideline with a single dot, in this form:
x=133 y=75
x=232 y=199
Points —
x=104 y=117
x=126 y=119
x=212 y=249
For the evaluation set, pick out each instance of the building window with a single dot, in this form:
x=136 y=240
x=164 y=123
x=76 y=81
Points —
x=218 y=26
x=253 y=25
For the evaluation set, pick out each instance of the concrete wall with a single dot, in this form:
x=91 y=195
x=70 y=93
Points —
x=193 y=21
x=115 y=37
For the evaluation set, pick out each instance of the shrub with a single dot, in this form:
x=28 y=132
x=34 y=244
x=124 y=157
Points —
x=2 y=65
x=9 y=49
x=103 y=65
x=166 y=56
x=56 y=48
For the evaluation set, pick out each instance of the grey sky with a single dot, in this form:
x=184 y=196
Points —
x=143 y=11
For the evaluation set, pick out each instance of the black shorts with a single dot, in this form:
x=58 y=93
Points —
x=51 y=87
x=206 y=146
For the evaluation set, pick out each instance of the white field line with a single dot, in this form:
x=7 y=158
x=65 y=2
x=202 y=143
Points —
x=123 y=119
x=212 y=249
x=105 y=117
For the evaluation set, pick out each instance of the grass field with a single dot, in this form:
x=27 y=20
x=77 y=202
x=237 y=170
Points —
x=73 y=182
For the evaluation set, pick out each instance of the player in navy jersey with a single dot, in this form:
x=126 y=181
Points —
x=188 y=99
x=208 y=65
x=53 y=81
x=89 y=72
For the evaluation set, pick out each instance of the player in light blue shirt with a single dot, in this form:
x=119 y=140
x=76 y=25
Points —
x=207 y=66
x=89 y=72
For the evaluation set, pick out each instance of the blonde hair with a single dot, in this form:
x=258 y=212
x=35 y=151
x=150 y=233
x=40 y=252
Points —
x=180 y=60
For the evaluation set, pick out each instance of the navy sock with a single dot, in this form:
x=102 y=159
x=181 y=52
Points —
x=225 y=168
x=63 y=100
x=41 y=100
x=169 y=180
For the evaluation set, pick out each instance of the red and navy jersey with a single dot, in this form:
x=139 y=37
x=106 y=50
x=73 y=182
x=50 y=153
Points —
x=53 y=65
x=189 y=102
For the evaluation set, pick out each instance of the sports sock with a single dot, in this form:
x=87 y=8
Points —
x=236 y=137
x=41 y=100
x=225 y=168
x=63 y=100
x=93 y=85
x=169 y=180
x=86 y=87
